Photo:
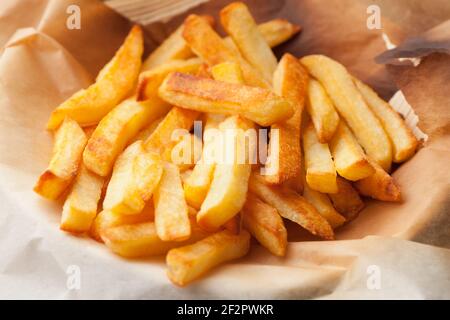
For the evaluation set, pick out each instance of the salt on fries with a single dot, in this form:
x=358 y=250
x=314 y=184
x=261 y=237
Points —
x=198 y=197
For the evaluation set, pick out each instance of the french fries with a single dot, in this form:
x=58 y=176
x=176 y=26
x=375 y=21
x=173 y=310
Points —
x=187 y=263
x=352 y=107
x=171 y=211
x=227 y=72
x=292 y=206
x=277 y=31
x=347 y=200
x=289 y=81
x=265 y=224
x=322 y=112
x=240 y=25
x=209 y=46
x=320 y=170
x=185 y=153
x=349 y=158
x=70 y=141
x=404 y=143
x=116 y=129
x=206 y=95
x=80 y=207
x=113 y=83
x=380 y=186
x=135 y=175
x=228 y=190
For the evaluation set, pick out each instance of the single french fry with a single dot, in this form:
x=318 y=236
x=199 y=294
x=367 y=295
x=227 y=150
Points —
x=135 y=175
x=69 y=143
x=322 y=112
x=115 y=131
x=292 y=206
x=80 y=207
x=187 y=263
x=404 y=143
x=113 y=83
x=108 y=219
x=173 y=48
x=209 y=46
x=277 y=31
x=185 y=153
x=145 y=133
x=149 y=81
x=265 y=224
x=171 y=211
x=228 y=190
x=347 y=200
x=206 y=95
x=320 y=170
x=380 y=185
x=227 y=72
x=349 y=159
x=240 y=25
x=352 y=107
x=290 y=81
x=324 y=206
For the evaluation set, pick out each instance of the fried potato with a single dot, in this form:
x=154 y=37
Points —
x=227 y=72
x=352 y=107
x=347 y=200
x=145 y=133
x=380 y=186
x=108 y=219
x=233 y=225
x=292 y=206
x=80 y=207
x=70 y=141
x=115 y=131
x=404 y=143
x=149 y=81
x=171 y=211
x=322 y=112
x=177 y=118
x=322 y=203
x=114 y=83
x=173 y=48
x=228 y=189
x=320 y=170
x=209 y=46
x=135 y=175
x=265 y=224
x=289 y=81
x=185 y=153
x=206 y=95
x=350 y=160
x=277 y=31
x=187 y=263
x=240 y=25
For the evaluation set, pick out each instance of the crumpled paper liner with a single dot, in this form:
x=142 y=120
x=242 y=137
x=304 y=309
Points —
x=42 y=63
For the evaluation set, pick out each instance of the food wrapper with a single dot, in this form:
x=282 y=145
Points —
x=389 y=251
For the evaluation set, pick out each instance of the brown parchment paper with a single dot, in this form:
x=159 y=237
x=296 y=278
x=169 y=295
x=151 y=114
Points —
x=42 y=63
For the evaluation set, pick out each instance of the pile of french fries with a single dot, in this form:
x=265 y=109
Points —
x=114 y=145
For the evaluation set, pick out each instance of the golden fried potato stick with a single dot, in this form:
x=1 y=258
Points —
x=185 y=153
x=206 y=95
x=175 y=47
x=289 y=81
x=352 y=107
x=228 y=72
x=171 y=211
x=80 y=207
x=240 y=25
x=380 y=186
x=292 y=206
x=187 y=263
x=322 y=112
x=113 y=83
x=172 y=48
x=135 y=176
x=149 y=81
x=347 y=200
x=70 y=141
x=116 y=129
x=265 y=224
x=320 y=170
x=350 y=160
x=404 y=142
x=209 y=46
x=145 y=133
